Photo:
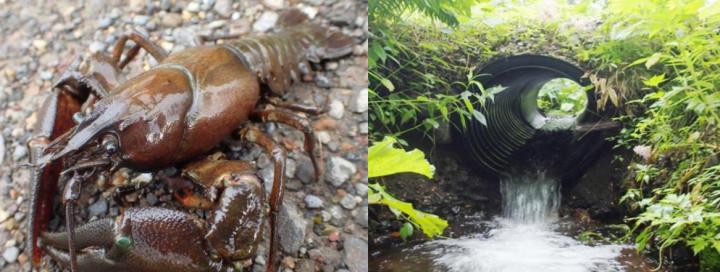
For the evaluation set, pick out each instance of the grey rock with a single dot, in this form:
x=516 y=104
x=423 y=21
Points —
x=361 y=189
x=323 y=136
x=184 y=36
x=140 y=19
x=363 y=128
x=348 y=202
x=2 y=148
x=224 y=8
x=305 y=171
x=313 y=202
x=337 y=214
x=216 y=24
x=274 y=4
x=20 y=152
x=265 y=22
x=337 y=109
x=305 y=265
x=105 y=23
x=96 y=46
x=10 y=255
x=46 y=75
x=98 y=208
x=362 y=216
x=339 y=170
x=356 y=254
x=291 y=227
x=151 y=199
x=360 y=103
x=193 y=7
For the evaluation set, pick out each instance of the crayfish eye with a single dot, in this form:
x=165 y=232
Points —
x=110 y=144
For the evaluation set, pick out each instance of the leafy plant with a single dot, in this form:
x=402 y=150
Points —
x=383 y=160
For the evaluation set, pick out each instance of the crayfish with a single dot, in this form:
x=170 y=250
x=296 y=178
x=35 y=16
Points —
x=172 y=115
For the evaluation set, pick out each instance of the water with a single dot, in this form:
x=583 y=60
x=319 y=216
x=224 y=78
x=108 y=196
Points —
x=527 y=237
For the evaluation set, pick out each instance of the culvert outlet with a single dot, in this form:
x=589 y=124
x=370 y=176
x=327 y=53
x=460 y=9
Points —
x=514 y=119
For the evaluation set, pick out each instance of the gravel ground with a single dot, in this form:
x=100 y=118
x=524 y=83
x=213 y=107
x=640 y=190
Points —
x=323 y=225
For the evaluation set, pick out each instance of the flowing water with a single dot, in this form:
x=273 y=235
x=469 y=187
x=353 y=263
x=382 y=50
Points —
x=527 y=237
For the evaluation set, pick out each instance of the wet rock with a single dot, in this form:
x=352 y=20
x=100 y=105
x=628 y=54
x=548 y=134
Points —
x=337 y=109
x=20 y=152
x=291 y=227
x=10 y=255
x=98 y=208
x=339 y=170
x=305 y=171
x=356 y=254
x=265 y=22
x=313 y=202
x=348 y=202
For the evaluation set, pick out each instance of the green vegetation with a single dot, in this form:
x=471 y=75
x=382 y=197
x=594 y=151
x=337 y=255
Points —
x=655 y=64
x=562 y=97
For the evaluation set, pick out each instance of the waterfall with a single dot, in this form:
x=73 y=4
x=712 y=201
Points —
x=531 y=199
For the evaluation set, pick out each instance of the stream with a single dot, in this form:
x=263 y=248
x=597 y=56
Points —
x=528 y=236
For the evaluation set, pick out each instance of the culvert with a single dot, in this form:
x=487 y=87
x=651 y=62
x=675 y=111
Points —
x=514 y=120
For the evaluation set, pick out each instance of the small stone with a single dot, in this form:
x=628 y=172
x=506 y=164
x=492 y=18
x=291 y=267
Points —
x=313 y=202
x=10 y=255
x=291 y=227
x=216 y=24
x=363 y=128
x=305 y=171
x=348 y=202
x=100 y=207
x=96 y=47
x=193 y=7
x=20 y=152
x=356 y=254
x=360 y=104
x=266 y=21
x=46 y=75
x=142 y=178
x=105 y=23
x=260 y=259
x=288 y=262
x=323 y=136
x=337 y=109
x=2 y=148
x=140 y=19
x=334 y=236
x=361 y=217
x=184 y=36
x=39 y=44
x=310 y=11
x=171 y=20
x=274 y=4
x=339 y=170
x=224 y=8
x=151 y=199
x=361 y=189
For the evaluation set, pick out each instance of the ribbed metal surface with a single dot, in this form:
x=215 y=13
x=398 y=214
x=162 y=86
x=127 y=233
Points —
x=513 y=118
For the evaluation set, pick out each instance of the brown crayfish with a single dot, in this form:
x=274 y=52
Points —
x=173 y=114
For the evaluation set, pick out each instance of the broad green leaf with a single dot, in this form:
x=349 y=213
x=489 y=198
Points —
x=654 y=81
x=388 y=84
x=430 y=224
x=479 y=117
x=406 y=230
x=384 y=159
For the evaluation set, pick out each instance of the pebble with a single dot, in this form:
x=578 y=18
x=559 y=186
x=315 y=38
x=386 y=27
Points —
x=98 y=208
x=313 y=202
x=361 y=217
x=171 y=20
x=39 y=44
x=265 y=21
x=193 y=7
x=105 y=23
x=140 y=19
x=2 y=148
x=348 y=202
x=310 y=11
x=337 y=109
x=46 y=75
x=20 y=152
x=184 y=36
x=305 y=171
x=274 y=4
x=142 y=178
x=96 y=47
x=291 y=227
x=10 y=255
x=339 y=170
x=363 y=128
x=216 y=24
x=361 y=189
x=361 y=101
x=224 y=8
x=356 y=254
x=323 y=136
x=151 y=199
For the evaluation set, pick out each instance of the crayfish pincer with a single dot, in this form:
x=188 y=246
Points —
x=173 y=115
